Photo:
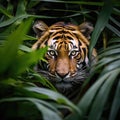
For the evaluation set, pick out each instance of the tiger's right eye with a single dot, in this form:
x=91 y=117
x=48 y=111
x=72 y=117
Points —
x=52 y=52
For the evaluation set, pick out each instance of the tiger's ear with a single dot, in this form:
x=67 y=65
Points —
x=40 y=27
x=86 y=28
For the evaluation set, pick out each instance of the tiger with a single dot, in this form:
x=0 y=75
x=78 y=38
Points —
x=68 y=63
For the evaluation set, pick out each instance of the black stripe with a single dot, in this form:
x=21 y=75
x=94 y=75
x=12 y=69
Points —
x=80 y=44
x=38 y=46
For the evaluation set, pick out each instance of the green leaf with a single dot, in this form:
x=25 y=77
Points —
x=112 y=66
x=13 y=20
x=116 y=103
x=32 y=4
x=53 y=96
x=39 y=79
x=98 y=104
x=18 y=19
x=21 y=8
x=75 y=2
x=116 y=11
x=21 y=62
x=50 y=114
x=10 y=82
x=109 y=57
x=42 y=106
x=11 y=46
x=113 y=50
x=114 y=41
x=106 y=61
x=101 y=23
x=25 y=48
x=27 y=37
x=114 y=29
x=87 y=99
x=115 y=21
x=5 y=12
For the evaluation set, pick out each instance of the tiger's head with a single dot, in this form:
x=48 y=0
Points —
x=67 y=56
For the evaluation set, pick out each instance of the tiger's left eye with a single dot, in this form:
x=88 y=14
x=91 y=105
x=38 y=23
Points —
x=52 y=53
x=73 y=53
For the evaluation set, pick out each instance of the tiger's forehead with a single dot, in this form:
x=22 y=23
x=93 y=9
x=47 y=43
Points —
x=63 y=40
x=61 y=33
x=63 y=26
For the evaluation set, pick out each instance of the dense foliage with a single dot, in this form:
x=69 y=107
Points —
x=20 y=97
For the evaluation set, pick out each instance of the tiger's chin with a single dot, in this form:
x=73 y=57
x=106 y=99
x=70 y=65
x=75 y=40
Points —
x=69 y=86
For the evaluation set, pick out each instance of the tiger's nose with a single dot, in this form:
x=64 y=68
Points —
x=62 y=74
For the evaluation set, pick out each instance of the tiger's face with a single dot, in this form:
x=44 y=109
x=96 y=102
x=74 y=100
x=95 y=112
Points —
x=67 y=55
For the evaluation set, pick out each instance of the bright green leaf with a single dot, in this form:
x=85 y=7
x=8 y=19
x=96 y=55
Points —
x=11 y=46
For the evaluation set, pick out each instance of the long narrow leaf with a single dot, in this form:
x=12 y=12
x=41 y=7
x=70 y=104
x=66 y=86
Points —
x=88 y=98
x=106 y=60
x=98 y=104
x=101 y=23
x=5 y=12
x=21 y=17
x=42 y=106
x=75 y=2
x=25 y=48
x=21 y=8
x=113 y=29
x=111 y=67
x=110 y=51
x=114 y=40
x=54 y=96
x=12 y=20
x=115 y=21
x=116 y=103
x=50 y=114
